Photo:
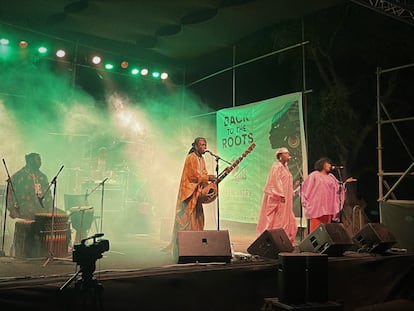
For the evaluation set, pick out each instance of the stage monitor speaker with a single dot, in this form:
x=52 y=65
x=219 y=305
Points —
x=270 y=243
x=374 y=238
x=204 y=246
x=331 y=239
x=302 y=277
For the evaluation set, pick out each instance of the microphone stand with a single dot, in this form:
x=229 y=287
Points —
x=9 y=186
x=341 y=183
x=218 y=200
x=102 y=183
x=217 y=174
x=52 y=229
x=300 y=196
x=2 y=252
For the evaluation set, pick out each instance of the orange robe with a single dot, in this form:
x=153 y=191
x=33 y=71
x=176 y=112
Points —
x=189 y=214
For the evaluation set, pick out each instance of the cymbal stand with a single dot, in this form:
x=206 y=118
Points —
x=52 y=228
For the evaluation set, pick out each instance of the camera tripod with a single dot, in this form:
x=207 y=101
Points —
x=88 y=290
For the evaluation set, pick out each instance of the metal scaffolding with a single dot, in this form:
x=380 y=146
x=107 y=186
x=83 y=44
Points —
x=402 y=10
x=385 y=190
x=397 y=214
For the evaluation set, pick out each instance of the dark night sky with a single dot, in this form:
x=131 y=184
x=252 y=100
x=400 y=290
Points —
x=364 y=40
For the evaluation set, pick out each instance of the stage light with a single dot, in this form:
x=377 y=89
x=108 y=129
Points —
x=124 y=64
x=23 y=44
x=144 y=71
x=134 y=71
x=60 y=53
x=155 y=74
x=42 y=50
x=164 y=76
x=4 y=41
x=109 y=66
x=5 y=49
x=96 y=60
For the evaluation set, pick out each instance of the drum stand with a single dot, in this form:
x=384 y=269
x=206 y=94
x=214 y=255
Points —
x=52 y=228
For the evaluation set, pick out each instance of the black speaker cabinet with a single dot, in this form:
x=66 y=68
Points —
x=270 y=243
x=204 y=246
x=302 y=277
x=374 y=238
x=331 y=239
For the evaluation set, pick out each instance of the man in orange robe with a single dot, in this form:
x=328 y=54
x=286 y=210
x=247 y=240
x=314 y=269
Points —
x=189 y=214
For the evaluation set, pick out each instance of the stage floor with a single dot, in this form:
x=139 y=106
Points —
x=136 y=274
x=132 y=251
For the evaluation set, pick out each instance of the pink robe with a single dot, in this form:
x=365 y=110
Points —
x=274 y=214
x=322 y=195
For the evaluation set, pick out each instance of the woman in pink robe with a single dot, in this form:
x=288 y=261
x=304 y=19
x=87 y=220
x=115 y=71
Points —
x=323 y=195
x=277 y=202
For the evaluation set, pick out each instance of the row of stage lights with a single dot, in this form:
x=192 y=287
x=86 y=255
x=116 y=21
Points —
x=95 y=60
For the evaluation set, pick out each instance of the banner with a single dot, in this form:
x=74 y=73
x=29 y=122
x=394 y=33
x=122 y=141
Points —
x=269 y=124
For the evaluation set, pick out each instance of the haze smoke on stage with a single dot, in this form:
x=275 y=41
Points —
x=41 y=112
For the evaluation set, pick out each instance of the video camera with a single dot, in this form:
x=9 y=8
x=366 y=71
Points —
x=90 y=252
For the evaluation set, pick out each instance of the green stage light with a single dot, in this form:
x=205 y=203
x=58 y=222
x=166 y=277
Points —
x=109 y=66
x=134 y=71
x=42 y=50
x=4 y=41
x=155 y=74
x=5 y=49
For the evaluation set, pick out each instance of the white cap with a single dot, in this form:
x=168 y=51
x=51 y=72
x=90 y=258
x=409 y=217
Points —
x=281 y=150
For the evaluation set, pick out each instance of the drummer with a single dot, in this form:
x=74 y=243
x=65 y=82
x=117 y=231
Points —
x=28 y=191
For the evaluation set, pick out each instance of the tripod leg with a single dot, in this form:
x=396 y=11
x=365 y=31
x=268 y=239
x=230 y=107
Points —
x=88 y=296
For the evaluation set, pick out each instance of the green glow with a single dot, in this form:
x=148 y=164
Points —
x=109 y=66
x=5 y=50
x=42 y=50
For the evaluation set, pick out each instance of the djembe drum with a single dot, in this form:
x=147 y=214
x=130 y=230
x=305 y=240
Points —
x=81 y=218
x=24 y=239
x=53 y=239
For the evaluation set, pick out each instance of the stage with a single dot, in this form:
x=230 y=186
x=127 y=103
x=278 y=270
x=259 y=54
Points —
x=136 y=274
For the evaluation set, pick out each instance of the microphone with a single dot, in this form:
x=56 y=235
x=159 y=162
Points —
x=214 y=155
x=103 y=181
x=40 y=198
x=86 y=196
x=337 y=167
